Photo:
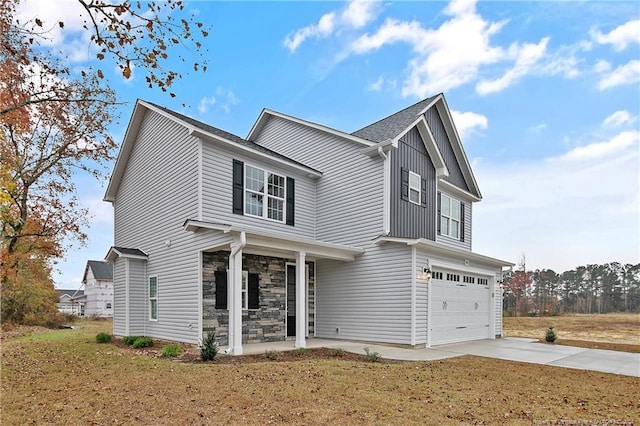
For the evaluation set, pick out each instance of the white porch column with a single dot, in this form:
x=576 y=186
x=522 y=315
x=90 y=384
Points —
x=235 y=295
x=301 y=301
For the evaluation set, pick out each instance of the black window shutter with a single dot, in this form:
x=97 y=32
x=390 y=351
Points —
x=291 y=209
x=238 y=187
x=461 y=221
x=405 y=184
x=423 y=193
x=439 y=204
x=221 y=289
x=254 y=291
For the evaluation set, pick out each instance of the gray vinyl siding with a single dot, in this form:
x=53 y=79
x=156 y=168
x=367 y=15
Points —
x=138 y=306
x=444 y=146
x=119 y=297
x=409 y=220
x=422 y=299
x=498 y=307
x=157 y=193
x=349 y=195
x=217 y=196
x=368 y=299
x=468 y=226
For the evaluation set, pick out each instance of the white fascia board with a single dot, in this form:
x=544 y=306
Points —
x=458 y=192
x=282 y=242
x=386 y=146
x=443 y=249
x=199 y=133
x=432 y=148
x=432 y=103
x=266 y=112
x=457 y=146
x=114 y=253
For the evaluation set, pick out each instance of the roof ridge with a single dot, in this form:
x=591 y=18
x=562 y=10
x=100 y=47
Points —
x=395 y=113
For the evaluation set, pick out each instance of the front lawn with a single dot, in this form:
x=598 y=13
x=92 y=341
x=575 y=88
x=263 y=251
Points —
x=65 y=377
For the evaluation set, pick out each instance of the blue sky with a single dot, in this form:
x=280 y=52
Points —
x=546 y=97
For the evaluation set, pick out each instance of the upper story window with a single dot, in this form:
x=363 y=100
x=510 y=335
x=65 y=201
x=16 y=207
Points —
x=260 y=193
x=450 y=217
x=414 y=187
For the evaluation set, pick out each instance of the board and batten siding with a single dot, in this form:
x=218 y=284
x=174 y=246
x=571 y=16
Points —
x=444 y=146
x=157 y=193
x=409 y=220
x=349 y=195
x=217 y=186
x=138 y=302
x=120 y=297
x=468 y=226
x=368 y=299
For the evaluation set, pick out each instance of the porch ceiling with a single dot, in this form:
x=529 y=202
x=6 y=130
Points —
x=281 y=245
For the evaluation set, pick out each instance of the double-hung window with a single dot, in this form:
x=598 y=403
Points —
x=414 y=187
x=450 y=214
x=264 y=194
x=153 y=298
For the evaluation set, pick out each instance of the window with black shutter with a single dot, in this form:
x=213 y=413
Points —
x=220 y=278
x=462 y=207
x=404 y=194
x=238 y=187
x=291 y=186
x=254 y=291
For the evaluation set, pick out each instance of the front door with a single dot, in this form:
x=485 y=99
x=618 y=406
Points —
x=291 y=300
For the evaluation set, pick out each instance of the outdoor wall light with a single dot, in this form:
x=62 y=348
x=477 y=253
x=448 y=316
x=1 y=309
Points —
x=426 y=273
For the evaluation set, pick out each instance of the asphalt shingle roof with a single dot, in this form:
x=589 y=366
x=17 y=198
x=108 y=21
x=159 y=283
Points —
x=101 y=270
x=70 y=293
x=389 y=127
x=131 y=251
x=229 y=136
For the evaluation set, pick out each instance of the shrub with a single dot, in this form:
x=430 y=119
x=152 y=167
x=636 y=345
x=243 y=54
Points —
x=172 y=350
x=550 y=336
x=103 y=338
x=372 y=356
x=272 y=355
x=301 y=352
x=142 y=342
x=336 y=352
x=209 y=347
x=128 y=340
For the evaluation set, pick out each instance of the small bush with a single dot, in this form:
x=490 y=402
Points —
x=550 y=336
x=209 y=347
x=272 y=355
x=172 y=350
x=142 y=342
x=336 y=352
x=103 y=338
x=301 y=352
x=372 y=356
x=128 y=340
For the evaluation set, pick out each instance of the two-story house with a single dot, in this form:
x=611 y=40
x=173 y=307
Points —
x=98 y=289
x=299 y=230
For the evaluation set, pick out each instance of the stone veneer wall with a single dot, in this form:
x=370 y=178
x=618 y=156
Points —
x=266 y=324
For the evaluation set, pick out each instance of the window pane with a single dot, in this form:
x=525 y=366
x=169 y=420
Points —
x=276 y=186
x=153 y=287
x=255 y=179
x=455 y=209
x=254 y=204
x=154 y=309
x=275 y=208
x=445 y=208
x=454 y=228
x=414 y=195
x=414 y=180
x=444 y=226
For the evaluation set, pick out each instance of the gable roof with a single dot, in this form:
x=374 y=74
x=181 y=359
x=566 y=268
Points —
x=391 y=126
x=101 y=270
x=69 y=293
x=197 y=129
x=132 y=253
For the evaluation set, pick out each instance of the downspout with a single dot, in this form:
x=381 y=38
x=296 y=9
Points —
x=235 y=315
x=386 y=192
x=236 y=247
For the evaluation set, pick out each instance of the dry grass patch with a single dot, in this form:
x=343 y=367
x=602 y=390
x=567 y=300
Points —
x=65 y=377
x=605 y=331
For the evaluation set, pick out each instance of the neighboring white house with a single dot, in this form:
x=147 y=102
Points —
x=299 y=230
x=98 y=289
x=70 y=302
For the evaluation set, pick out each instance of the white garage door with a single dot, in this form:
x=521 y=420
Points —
x=460 y=307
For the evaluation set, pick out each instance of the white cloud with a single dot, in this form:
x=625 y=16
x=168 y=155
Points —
x=618 y=118
x=538 y=128
x=357 y=14
x=579 y=207
x=602 y=66
x=205 y=103
x=628 y=73
x=376 y=86
x=467 y=122
x=620 y=37
x=100 y=212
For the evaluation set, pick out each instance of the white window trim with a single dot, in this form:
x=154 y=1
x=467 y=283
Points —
x=153 y=298
x=245 y=290
x=449 y=218
x=418 y=189
x=265 y=194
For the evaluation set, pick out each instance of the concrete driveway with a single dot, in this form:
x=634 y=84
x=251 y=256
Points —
x=508 y=348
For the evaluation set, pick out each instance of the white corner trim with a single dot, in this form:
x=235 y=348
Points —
x=450 y=188
x=413 y=295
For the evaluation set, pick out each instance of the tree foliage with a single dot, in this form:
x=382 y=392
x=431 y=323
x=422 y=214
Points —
x=54 y=122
